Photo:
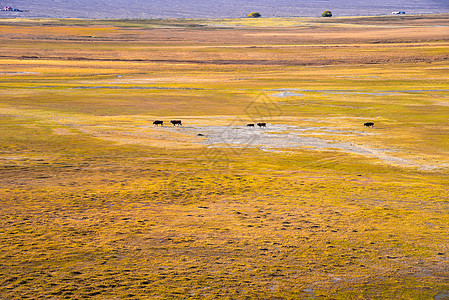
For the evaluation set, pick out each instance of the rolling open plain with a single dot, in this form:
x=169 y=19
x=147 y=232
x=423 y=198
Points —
x=97 y=202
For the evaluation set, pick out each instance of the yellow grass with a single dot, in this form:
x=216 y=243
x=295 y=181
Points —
x=96 y=202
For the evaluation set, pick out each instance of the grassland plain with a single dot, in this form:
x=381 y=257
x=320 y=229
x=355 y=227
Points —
x=96 y=202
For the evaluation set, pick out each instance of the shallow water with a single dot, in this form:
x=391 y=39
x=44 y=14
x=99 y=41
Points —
x=215 y=8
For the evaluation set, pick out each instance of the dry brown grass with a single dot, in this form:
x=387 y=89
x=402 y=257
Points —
x=96 y=202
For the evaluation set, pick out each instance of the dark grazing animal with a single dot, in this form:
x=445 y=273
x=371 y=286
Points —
x=250 y=125
x=157 y=123
x=176 y=122
x=369 y=124
x=262 y=125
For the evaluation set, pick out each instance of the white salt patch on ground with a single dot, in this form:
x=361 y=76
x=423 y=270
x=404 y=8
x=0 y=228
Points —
x=281 y=138
x=287 y=94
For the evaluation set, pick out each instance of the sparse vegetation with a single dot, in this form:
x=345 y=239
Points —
x=97 y=202
x=254 y=15
x=326 y=13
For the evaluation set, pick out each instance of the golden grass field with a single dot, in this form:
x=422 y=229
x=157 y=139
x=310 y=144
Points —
x=97 y=202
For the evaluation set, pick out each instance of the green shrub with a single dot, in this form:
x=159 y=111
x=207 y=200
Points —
x=254 y=15
x=326 y=13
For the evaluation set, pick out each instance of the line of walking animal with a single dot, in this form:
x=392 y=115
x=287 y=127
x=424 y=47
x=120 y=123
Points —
x=179 y=123
x=264 y=125
x=261 y=125
x=173 y=122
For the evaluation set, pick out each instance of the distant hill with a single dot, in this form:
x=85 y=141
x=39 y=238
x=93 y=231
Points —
x=215 y=8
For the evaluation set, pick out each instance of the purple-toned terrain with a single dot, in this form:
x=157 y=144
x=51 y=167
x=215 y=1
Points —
x=102 y=9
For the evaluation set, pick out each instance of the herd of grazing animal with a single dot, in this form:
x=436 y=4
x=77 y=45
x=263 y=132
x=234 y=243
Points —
x=261 y=125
